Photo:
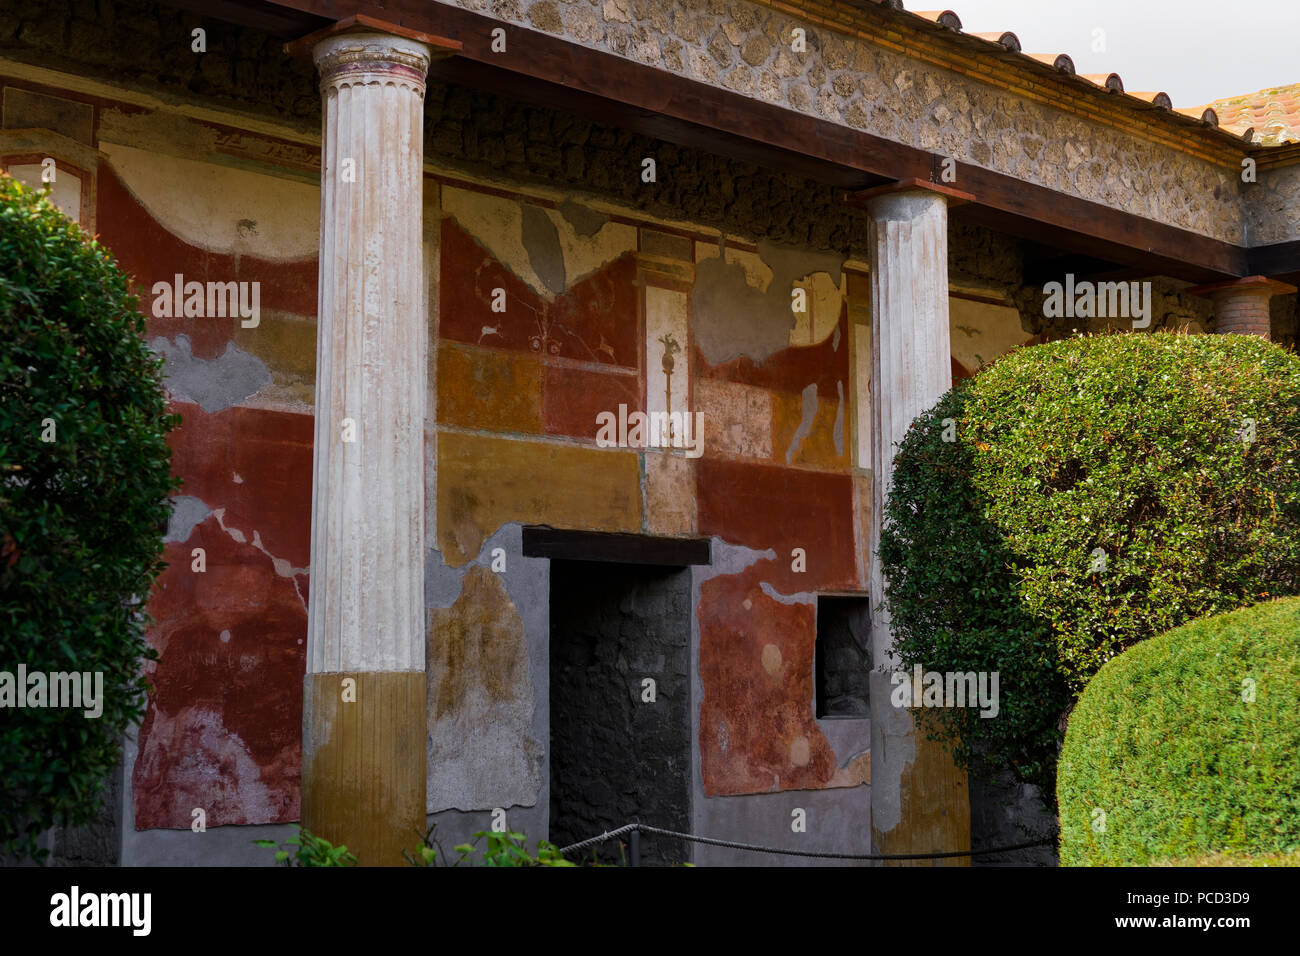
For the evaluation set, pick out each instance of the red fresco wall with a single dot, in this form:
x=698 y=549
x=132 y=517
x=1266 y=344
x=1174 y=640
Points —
x=223 y=727
x=757 y=728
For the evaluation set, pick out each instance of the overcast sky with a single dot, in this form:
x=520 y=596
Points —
x=1194 y=50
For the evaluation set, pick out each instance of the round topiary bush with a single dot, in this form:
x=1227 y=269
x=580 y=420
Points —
x=84 y=480
x=1076 y=498
x=1188 y=744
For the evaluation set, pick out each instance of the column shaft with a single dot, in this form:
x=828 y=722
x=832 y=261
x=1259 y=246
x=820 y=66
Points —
x=364 y=705
x=919 y=800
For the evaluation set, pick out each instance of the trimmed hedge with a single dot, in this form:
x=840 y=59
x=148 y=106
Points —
x=1183 y=766
x=1076 y=498
x=84 y=481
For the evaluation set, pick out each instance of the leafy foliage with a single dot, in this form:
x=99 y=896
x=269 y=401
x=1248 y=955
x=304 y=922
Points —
x=1126 y=448
x=309 y=850
x=81 y=516
x=503 y=849
x=1183 y=765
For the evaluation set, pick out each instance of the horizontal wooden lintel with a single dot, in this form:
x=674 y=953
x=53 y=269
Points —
x=559 y=544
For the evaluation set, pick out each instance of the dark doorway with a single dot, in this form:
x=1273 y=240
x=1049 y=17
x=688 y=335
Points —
x=615 y=756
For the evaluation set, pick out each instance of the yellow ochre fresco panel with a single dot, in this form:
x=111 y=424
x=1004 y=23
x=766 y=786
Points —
x=486 y=482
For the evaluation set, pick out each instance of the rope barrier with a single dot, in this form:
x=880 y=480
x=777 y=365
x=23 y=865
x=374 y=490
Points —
x=754 y=848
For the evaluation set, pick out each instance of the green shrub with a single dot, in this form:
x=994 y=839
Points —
x=84 y=480
x=1168 y=758
x=503 y=849
x=308 y=850
x=1125 y=447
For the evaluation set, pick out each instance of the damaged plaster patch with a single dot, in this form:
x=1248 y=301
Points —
x=727 y=558
x=442 y=584
x=737 y=418
x=799 y=597
x=805 y=423
x=213 y=384
x=586 y=222
x=541 y=239
x=792 y=263
x=192 y=759
x=496 y=225
x=549 y=250
x=734 y=318
x=481 y=748
x=283 y=568
x=893 y=750
x=585 y=255
x=186 y=513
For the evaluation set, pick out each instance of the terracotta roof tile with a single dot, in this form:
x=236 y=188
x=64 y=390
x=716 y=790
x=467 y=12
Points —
x=945 y=18
x=1008 y=39
x=1111 y=81
x=1161 y=100
x=1273 y=114
x=1060 y=61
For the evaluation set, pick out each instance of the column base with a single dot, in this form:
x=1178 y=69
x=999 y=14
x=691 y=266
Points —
x=916 y=788
x=363 y=763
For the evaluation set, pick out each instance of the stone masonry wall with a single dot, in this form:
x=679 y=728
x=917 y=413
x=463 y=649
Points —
x=746 y=48
x=1270 y=206
x=148 y=47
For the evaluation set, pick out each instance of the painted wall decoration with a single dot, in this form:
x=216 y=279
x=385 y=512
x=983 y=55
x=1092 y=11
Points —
x=223 y=727
x=551 y=314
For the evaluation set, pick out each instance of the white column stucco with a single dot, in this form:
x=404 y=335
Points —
x=910 y=350
x=367 y=545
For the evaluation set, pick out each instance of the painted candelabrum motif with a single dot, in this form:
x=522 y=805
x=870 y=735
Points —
x=671 y=348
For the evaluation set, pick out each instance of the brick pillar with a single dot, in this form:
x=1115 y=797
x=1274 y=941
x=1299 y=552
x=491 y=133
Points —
x=1241 y=305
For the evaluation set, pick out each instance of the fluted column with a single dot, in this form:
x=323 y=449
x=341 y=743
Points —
x=919 y=801
x=364 y=692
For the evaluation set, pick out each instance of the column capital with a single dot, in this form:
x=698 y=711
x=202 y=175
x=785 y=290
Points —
x=865 y=198
x=364 y=46
x=1248 y=285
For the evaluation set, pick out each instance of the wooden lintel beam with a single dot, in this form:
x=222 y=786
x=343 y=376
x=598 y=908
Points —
x=559 y=544
x=1202 y=259
x=1280 y=260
